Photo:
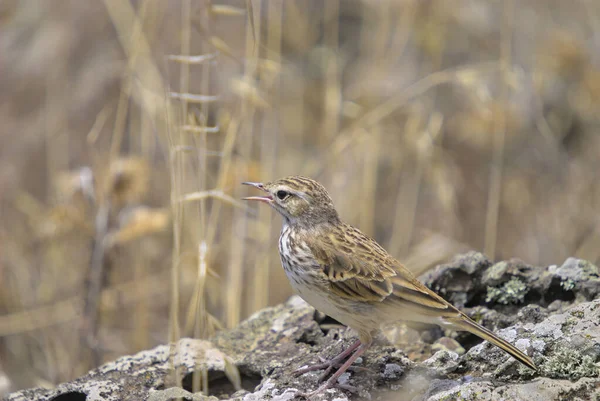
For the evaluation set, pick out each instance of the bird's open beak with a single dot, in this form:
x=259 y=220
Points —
x=259 y=185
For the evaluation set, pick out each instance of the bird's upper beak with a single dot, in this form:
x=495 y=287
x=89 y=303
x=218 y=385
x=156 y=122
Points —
x=259 y=185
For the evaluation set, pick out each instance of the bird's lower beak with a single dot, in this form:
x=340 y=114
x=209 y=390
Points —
x=259 y=185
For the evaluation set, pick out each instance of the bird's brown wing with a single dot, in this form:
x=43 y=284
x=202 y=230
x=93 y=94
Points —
x=359 y=269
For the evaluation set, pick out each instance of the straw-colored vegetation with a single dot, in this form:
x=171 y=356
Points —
x=126 y=128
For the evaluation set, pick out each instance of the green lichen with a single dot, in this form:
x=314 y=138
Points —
x=569 y=322
x=570 y=364
x=496 y=271
x=450 y=397
x=511 y=292
x=590 y=270
x=567 y=284
x=574 y=271
x=525 y=373
x=578 y=313
x=477 y=316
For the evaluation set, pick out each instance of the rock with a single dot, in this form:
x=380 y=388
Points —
x=564 y=346
x=447 y=343
x=555 y=321
x=136 y=377
x=472 y=280
x=457 y=281
x=266 y=349
x=443 y=362
x=579 y=276
x=540 y=390
x=532 y=314
x=392 y=371
x=511 y=292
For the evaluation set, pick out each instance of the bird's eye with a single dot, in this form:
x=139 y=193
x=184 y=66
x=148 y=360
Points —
x=282 y=194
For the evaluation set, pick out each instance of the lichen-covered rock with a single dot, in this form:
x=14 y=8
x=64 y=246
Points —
x=564 y=346
x=266 y=349
x=459 y=280
x=579 y=276
x=276 y=341
x=473 y=280
x=135 y=377
x=443 y=362
x=540 y=390
x=554 y=319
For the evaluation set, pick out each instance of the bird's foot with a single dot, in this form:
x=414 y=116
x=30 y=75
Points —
x=352 y=353
x=328 y=365
x=325 y=386
x=325 y=365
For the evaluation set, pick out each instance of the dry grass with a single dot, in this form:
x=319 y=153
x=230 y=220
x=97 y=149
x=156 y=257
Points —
x=127 y=127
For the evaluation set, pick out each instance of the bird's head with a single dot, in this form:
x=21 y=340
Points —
x=299 y=200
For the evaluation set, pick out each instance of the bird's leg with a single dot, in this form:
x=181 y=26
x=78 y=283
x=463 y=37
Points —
x=330 y=364
x=333 y=379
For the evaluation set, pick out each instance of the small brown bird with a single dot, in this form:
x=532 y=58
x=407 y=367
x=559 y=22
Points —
x=350 y=277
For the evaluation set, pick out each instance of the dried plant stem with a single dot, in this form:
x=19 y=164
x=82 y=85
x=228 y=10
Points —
x=40 y=318
x=126 y=84
x=96 y=278
x=404 y=215
x=351 y=134
x=391 y=105
x=202 y=137
x=268 y=151
x=175 y=172
x=333 y=91
x=201 y=329
x=240 y=221
x=495 y=189
x=95 y=283
x=424 y=147
x=140 y=336
x=149 y=86
x=369 y=179
x=200 y=377
x=70 y=309
x=57 y=138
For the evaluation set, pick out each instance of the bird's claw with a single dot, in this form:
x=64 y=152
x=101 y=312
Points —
x=326 y=364
x=309 y=396
x=348 y=387
x=312 y=368
x=325 y=386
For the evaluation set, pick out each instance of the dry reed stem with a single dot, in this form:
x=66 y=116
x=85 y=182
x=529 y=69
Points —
x=350 y=135
x=268 y=152
x=216 y=194
x=69 y=309
x=239 y=225
x=187 y=59
x=149 y=83
x=497 y=165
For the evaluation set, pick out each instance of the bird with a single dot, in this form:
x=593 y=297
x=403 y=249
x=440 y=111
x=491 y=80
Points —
x=347 y=275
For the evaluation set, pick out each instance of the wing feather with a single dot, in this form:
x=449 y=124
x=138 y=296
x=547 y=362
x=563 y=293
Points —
x=359 y=269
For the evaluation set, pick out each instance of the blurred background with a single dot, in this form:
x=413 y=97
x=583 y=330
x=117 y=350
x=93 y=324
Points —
x=126 y=127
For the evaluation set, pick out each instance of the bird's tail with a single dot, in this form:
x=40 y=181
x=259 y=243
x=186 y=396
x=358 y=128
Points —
x=463 y=322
